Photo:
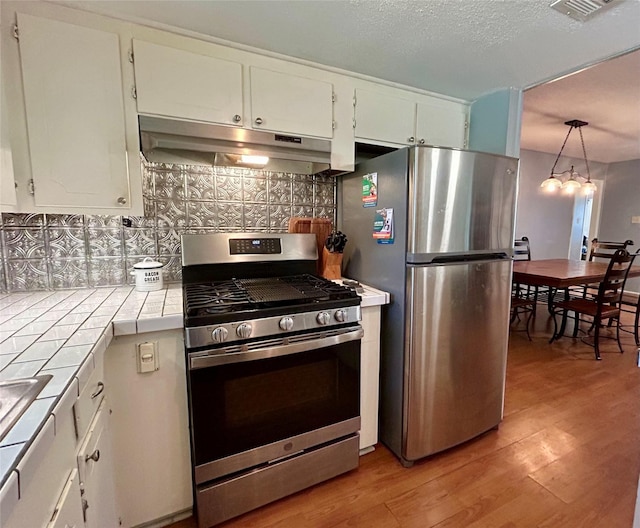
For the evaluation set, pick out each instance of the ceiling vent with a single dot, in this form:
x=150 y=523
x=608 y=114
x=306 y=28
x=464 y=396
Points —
x=583 y=10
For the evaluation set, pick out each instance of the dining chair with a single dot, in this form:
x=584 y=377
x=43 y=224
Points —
x=523 y=298
x=524 y=306
x=631 y=306
x=602 y=251
x=521 y=249
x=606 y=250
x=605 y=306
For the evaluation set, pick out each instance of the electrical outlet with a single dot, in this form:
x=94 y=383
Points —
x=635 y=219
x=147 y=357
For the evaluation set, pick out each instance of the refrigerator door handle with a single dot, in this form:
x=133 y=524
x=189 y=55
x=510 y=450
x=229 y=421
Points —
x=456 y=259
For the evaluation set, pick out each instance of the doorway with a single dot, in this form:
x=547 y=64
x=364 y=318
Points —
x=584 y=225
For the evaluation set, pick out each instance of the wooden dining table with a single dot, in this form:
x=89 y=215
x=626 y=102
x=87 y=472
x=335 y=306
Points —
x=562 y=273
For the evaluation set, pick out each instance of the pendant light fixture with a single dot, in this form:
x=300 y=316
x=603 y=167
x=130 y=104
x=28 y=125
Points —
x=568 y=179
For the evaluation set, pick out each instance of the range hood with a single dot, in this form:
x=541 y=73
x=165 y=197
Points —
x=195 y=143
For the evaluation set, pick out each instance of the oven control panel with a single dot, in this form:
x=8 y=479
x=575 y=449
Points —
x=255 y=246
x=270 y=327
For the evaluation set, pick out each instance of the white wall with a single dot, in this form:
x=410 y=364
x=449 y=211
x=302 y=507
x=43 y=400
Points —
x=546 y=218
x=621 y=201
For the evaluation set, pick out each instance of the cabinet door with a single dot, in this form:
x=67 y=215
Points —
x=291 y=104
x=369 y=376
x=442 y=124
x=95 y=466
x=7 y=185
x=75 y=114
x=384 y=118
x=68 y=512
x=177 y=83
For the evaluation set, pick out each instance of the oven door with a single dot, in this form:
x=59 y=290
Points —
x=258 y=404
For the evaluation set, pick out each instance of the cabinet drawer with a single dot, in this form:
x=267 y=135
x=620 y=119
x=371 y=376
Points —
x=89 y=400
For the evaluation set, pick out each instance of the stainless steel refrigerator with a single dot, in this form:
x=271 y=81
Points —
x=444 y=254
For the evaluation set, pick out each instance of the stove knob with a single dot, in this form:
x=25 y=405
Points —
x=323 y=318
x=244 y=330
x=219 y=334
x=286 y=324
x=340 y=316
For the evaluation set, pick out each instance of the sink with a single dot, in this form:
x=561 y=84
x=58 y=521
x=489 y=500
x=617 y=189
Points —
x=15 y=398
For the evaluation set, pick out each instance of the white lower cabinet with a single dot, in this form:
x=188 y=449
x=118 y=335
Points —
x=43 y=474
x=68 y=512
x=66 y=476
x=369 y=377
x=95 y=469
x=150 y=430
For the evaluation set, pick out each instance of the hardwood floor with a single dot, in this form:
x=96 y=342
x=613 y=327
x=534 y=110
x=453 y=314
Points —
x=567 y=454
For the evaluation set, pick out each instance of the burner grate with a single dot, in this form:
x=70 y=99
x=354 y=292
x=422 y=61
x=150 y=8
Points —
x=228 y=297
x=279 y=290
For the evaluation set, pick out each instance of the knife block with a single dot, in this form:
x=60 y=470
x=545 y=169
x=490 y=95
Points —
x=331 y=264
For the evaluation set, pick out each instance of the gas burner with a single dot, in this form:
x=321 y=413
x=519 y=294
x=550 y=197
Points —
x=214 y=297
x=250 y=298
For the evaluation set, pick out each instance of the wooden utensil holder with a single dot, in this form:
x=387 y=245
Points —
x=331 y=264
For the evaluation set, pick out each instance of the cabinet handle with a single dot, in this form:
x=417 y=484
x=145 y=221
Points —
x=122 y=200
x=258 y=120
x=422 y=141
x=85 y=507
x=99 y=390
x=411 y=139
x=237 y=118
x=95 y=456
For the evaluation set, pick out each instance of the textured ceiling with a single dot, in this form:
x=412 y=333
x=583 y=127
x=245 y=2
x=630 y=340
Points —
x=460 y=48
x=606 y=95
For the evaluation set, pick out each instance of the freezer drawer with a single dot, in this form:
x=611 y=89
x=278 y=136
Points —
x=455 y=353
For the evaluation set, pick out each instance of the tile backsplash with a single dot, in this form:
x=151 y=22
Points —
x=57 y=251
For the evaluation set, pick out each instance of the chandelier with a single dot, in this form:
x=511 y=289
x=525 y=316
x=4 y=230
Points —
x=568 y=179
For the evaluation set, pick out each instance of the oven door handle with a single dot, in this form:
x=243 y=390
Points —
x=199 y=362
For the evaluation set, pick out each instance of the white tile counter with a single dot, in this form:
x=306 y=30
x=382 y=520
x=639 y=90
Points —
x=59 y=333
x=370 y=296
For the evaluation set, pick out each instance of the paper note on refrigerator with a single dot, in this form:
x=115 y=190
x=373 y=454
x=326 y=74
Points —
x=370 y=190
x=383 y=226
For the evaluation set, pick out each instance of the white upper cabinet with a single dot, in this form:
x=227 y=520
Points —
x=7 y=184
x=82 y=158
x=178 y=83
x=281 y=102
x=442 y=124
x=384 y=118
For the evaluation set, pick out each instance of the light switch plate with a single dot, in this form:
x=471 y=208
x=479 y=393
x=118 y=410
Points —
x=635 y=219
x=147 y=357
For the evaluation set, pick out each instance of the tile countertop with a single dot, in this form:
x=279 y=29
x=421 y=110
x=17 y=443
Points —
x=369 y=296
x=60 y=332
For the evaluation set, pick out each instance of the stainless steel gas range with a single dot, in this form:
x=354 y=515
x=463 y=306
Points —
x=273 y=366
